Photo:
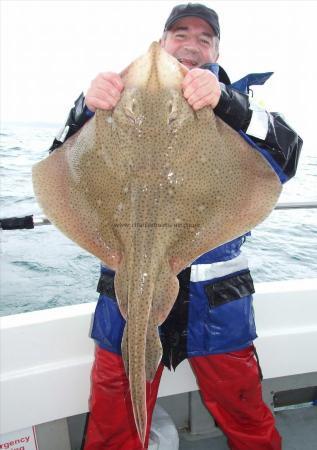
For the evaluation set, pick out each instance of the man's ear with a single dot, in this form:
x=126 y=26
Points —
x=163 y=39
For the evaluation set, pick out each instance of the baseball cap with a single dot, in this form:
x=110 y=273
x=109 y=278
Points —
x=196 y=10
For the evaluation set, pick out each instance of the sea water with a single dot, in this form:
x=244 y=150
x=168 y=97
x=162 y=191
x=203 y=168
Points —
x=41 y=268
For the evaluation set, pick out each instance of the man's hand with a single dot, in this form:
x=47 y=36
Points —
x=201 y=88
x=104 y=92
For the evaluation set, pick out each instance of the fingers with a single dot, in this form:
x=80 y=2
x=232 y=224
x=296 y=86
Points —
x=208 y=100
x=104 y=92
x=94 y=103
x=114 y=78
x=201 y=88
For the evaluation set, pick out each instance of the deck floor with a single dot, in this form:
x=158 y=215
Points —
x=298 y=428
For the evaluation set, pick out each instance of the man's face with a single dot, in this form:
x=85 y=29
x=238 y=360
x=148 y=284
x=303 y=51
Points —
x=192 y=41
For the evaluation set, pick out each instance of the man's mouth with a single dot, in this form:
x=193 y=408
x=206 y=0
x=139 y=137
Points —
x=189 y=63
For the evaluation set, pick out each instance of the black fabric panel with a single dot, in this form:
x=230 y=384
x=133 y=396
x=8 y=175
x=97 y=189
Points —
x=106 y=285
x=229 y=289
x=223 y=76
x=75 y=120
x=233 y=108
x=173 y=331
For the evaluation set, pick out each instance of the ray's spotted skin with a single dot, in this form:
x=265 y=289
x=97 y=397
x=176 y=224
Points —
x=147 y=188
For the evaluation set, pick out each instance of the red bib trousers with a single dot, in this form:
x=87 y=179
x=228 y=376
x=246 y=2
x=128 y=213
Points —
x=230 y=387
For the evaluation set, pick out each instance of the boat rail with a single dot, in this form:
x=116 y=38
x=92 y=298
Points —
x=31 y=221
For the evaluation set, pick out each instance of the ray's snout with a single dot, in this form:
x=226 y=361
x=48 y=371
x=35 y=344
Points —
x=154 y=70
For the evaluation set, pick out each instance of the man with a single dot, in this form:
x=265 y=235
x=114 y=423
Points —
x=212 y=321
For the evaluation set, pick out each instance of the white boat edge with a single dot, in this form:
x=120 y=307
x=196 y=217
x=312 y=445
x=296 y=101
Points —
x=47 y=355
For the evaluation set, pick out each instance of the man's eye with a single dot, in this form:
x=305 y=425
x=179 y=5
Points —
x=205 y=41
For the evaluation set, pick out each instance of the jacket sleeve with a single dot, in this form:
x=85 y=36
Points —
x=77 y=117
x=266 y=129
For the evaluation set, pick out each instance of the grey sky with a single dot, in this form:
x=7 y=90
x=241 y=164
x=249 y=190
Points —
x=51 y=50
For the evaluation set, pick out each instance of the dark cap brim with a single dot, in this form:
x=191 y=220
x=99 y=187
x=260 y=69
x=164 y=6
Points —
x=194 y=10
x=168 y=26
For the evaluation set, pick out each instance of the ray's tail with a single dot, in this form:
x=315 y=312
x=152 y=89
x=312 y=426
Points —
x=135 y=293
x=141 y=348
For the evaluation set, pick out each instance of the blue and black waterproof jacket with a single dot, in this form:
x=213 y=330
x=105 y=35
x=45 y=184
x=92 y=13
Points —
x=213 y=312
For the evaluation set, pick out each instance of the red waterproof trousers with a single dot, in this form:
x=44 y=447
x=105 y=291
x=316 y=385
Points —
x=230 y=387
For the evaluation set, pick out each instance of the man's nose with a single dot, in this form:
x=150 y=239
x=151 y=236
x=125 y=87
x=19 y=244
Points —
x=191 y=47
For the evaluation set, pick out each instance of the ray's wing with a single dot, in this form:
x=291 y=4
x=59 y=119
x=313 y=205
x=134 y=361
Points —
x=231 y=184
x=73 y=186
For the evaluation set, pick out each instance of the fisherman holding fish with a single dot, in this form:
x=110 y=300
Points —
x=212 y=321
